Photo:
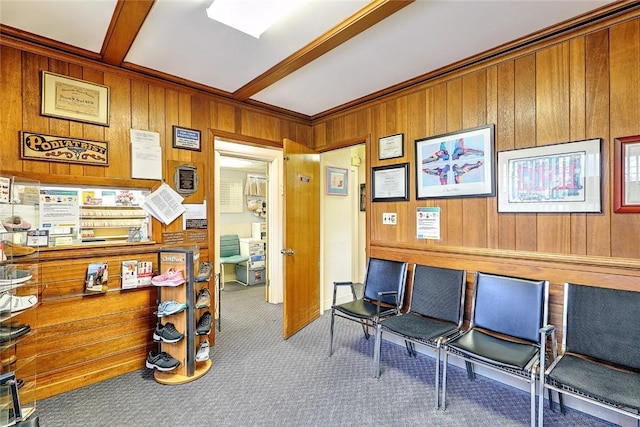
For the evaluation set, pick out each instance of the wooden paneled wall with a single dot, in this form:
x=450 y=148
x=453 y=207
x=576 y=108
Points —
x=86 y=339
x=580 y=85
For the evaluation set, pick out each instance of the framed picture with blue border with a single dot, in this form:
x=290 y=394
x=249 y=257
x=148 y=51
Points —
x=337 y=181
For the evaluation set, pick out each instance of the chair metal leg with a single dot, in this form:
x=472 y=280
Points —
x=376 y=352
x=445 y=361
x=551 y=401
x=365 y=329
x=333 y=317
x=562 y=410
x=532 y=390
x=438 y=375
x=470 y=373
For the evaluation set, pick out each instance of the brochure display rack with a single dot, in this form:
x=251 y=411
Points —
x=19 y=296
x=177 y=284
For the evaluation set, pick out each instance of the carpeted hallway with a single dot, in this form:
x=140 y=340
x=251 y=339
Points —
x=259 y=379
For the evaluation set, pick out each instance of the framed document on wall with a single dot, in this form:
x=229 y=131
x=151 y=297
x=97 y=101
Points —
x=390 y=183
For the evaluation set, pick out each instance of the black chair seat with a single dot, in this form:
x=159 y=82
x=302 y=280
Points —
x=363 y=309
x=493 y=350
x=417 y=328
x=598 y=381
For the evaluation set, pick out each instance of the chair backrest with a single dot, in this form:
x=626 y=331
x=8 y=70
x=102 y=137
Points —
x=385 y=275
x=229 y=245
x=438 y=292
x=510 y=305
x=602 y=323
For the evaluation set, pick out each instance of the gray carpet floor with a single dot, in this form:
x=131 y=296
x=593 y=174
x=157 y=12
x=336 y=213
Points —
x=259 y=379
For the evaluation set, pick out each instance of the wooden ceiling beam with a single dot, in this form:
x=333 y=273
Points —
x=127 y=19
x=360 y=21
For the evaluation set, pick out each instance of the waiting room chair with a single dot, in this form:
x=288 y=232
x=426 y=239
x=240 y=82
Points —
x=600 y=360
x=435 y=314
x=384 y=285
x=230 y=255
x=504 y=333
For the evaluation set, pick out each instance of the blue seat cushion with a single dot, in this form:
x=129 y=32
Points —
x=234 y=259
x=494 y=350
x=617 y=387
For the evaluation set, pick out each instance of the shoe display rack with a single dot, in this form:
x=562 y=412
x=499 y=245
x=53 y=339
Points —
x=184 y=321
x=19 y=296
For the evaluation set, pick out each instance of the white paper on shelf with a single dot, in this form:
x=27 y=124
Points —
x=164 y=204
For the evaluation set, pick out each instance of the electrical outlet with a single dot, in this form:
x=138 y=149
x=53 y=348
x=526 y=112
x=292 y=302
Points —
x=389 y=218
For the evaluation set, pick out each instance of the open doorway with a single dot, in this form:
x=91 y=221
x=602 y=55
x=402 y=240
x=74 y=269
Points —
x=243 y=163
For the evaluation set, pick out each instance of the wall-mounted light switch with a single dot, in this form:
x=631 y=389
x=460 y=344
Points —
x=389 y=218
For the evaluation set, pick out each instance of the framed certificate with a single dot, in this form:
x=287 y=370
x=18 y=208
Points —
x=390 y=183
x=391 y=147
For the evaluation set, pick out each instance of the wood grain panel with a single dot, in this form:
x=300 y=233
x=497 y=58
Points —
x=525 y=136
x=624 y=113
x=492 y=231
x=505 y=140
x=10 y=107
x=598 y=229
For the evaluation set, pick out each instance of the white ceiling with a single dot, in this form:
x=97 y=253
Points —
x=178 y=39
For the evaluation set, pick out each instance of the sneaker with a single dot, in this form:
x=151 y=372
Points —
x=203 y=351
x=167 y=308
x=204 y=324
x=169 y=278
x=14 y=303
x=161 y=361
x=167 y=333
x=204 y=272
x=14 y=249
x=203 y=299
x=9 y=332
x=16 y=223
x=11 y=277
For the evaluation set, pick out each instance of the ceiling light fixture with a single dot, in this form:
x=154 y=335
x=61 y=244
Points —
x=252 y=17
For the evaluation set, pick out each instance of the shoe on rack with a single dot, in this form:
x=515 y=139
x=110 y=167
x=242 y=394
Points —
x=15 y=303
x=167 y=308
x=203 y=299
x=167 y=333
x=14 y=249
x=168 y=278
x=204 y=272
x=161 y=361
x=204 y=324
x=203 y=351
x=16 y=223
x=11 y=331
x=11 y=277
x=9 y=360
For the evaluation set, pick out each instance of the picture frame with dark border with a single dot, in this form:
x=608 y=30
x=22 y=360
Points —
x=626 y=174
x=557 y=178
x=390 y=183
x=186 y=139
x=74 y=99
x=456 y=164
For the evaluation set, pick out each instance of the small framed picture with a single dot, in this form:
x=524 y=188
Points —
x=391 y=147
x=186 y=139
x=337 y=181
x=626 y=186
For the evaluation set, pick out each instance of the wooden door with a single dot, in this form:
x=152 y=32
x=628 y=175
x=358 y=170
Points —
x=301 y=243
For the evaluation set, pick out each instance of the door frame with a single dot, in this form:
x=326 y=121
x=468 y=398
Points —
x=274 y=158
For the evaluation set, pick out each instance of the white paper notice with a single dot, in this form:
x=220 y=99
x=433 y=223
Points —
x=428 y=223
x=146 y=154
x=165 y=204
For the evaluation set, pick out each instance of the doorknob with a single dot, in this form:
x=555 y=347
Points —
x=287 y=251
